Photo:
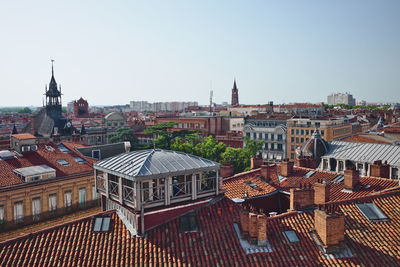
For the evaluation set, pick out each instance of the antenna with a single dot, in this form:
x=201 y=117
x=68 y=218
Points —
x=211 y=96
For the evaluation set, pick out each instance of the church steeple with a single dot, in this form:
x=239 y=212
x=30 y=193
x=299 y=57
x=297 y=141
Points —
x=235 y=94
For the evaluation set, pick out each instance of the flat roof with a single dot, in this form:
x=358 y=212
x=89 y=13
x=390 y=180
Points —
x=34 y=170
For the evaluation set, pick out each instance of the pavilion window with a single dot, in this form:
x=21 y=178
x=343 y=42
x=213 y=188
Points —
x=181 y=185
x=153 y=190
x=18 y=211
x=206 y=182
x=341 y=165
x=129 y=193
x=52 y=202
x=101 y=182
x=113 y=185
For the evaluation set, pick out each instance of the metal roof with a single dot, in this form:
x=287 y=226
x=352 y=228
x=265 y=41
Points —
x=364 y=152
x=154 y=163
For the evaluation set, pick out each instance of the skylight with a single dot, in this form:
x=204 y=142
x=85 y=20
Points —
x=291 y=236
x=188 y=222
x=80 y=160
x=252 y=185
x=63 y=148
x=102 y=224
x=371 y=212
x=63 y=162
x=309 y=174
x=338 y=179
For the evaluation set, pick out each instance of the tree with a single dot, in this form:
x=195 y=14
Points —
x=25 y=110
x=238 y=157
x=125 y=134
x=180 y=145
x=210 y=149
x=252 y=146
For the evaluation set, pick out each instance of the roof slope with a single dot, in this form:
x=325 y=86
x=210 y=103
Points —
x=215 y=244
x=155 y=162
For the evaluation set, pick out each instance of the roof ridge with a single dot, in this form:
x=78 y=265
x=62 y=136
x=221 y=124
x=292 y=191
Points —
x=145 y=159
x=238 y=175
x=50 y=228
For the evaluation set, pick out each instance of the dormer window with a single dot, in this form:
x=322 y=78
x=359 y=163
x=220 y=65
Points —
x=188 y=223
x=102 y=224
x=63 y=162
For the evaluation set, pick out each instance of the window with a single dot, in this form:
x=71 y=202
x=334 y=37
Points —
x=371 y=212
x=272 y=146
x=96 y=154
x=395 y=173
x=307 y=132
x=266 y=136
x=297 y=139
x=292 y=155
x=82 y=196
x=80 y=160
x=279 y=147
x=272 y=136
x=188 y=222
x=180 y=125
x=302 y=132
x=63 y=148
x=63 y=162
x=52 y=202
x=297 y=131
x=338 y=179
x=196 y=125
x=325 y=164
x=18 y=211
x=279 y=137
x=260 y=136
x=191 y=125
x=99 y=139
x=102 y=224
x=251 y=184
x=317 y=124
x=67 y=198
x=292 y=131
x=248 y=135
x=308 y=123
x=254 y=136
x=341 y=166
x=291 y=236
x=36 y=209
x=292 y=147
x=302 y=140
x=322 y=132
x=292 y=139
x=309 y=174
x=1 y=213
x=94 y=193
x=185 y=125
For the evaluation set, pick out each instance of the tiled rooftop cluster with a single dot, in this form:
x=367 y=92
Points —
x=215 y=243
x=46 y=154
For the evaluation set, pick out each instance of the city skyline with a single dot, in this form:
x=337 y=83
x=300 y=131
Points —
x=111 y=54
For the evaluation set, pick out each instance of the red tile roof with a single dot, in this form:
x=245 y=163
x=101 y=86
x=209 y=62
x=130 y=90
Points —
x=47 y=155
x=236 y=188
x=23 y=136
x=215 y=244
x=366 y=139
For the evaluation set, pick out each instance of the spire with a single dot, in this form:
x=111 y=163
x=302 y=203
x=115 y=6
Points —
x=52 y=67
x=14 y=130
x=234 y=83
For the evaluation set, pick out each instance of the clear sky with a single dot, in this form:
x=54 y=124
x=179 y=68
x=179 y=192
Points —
x=112 y=52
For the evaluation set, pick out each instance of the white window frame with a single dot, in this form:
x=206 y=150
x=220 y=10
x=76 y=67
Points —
x=68 y=198
x=82 y=195
x=36 y=207
x=52 y=202
x=95 y=195
x=1 y=213
x=18 y=210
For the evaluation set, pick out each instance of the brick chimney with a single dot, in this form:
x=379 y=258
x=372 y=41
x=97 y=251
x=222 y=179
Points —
x=321 y=192
x=267 y=171
x=329 y=226
x=256 y=162
x=306 y=162
x=253 y=226
x=351 y=179
x=380 y=170
x=261 y=230
x=244 y=222
x=286 y=167
x=302 y=197
x=226 y=170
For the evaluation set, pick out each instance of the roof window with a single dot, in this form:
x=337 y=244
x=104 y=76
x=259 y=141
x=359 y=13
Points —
x=291 y=236
x=309 y=174
x=80 y=160
x=338 y=179
x=63 y=148
x=251 y=184
x=188 y=222
x=102 y=224
x=371 y=212
x=63 y=162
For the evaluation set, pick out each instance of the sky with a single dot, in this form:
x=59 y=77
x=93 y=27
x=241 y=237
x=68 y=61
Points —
x=113 y=52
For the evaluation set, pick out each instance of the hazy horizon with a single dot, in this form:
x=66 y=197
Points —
x=111 y=53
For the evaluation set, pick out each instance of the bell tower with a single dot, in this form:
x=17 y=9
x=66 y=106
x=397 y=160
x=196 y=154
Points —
x=235 y=94
x=53 y=97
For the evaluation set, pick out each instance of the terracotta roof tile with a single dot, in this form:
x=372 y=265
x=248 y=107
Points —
x=23 y=136
x=215 y=244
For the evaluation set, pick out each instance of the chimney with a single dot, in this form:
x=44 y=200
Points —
x=261 y=230
x=253 y=226
x=351 y=179
x=256 y=162
x=267 y=171
x=380 y=170
x=302 y=197
x=286 y=167
x=321 y=192
x=329 y=227
x=226 y=170
x=244 y=222
x=127 y=146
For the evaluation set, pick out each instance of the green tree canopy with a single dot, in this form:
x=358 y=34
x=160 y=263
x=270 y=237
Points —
x=125 y=134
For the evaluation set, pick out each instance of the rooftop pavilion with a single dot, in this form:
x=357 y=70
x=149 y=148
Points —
x=154 y=179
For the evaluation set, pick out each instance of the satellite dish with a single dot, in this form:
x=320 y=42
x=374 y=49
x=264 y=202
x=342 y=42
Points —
x=238 y=200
